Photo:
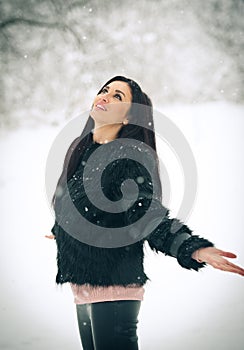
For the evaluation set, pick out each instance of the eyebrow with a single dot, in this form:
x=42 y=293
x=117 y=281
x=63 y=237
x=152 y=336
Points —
x=107 y=87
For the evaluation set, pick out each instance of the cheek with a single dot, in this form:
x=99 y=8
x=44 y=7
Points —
x=120 y=109
x=94 y=101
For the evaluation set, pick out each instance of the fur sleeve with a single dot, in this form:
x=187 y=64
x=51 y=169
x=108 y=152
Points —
x=169 y=236
x=181 y=244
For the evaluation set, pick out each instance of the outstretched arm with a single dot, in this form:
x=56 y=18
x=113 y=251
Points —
x=191 y=251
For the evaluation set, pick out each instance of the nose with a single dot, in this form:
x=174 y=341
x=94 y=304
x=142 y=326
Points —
x=105 y=98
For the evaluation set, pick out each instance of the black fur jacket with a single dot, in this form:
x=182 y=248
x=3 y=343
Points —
x=102 y=258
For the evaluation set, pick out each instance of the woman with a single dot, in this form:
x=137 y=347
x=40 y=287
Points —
x=106 y=273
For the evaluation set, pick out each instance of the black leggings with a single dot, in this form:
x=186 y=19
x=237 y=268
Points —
x=109 y=325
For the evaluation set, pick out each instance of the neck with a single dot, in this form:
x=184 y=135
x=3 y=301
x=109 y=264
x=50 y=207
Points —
x=106 y=133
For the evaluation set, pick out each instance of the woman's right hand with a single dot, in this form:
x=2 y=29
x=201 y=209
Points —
x=50 y=236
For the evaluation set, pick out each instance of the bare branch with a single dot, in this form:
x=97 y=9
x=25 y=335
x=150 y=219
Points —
x=30 y=22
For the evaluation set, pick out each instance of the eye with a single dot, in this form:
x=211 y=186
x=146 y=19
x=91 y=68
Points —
x=118 y=97
x=104 y=90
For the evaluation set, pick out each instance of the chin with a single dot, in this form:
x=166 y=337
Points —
x=96 y=116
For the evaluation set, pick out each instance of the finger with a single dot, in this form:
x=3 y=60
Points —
x=228 y=254
x=50 y=236
x=238 y=268
x=229 y=268
x=234 y=270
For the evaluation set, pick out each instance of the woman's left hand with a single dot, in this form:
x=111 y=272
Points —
x=214 y=257
x=50 y=236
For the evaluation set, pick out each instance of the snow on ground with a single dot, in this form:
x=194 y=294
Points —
x=181 y=309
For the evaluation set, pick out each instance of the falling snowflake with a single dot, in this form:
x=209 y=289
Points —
x=140 y=179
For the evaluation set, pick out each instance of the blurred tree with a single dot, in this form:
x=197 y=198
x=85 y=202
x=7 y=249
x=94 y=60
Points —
x=56 y=52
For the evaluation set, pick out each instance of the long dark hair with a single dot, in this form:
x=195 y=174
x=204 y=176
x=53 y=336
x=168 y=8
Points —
x=131 y=130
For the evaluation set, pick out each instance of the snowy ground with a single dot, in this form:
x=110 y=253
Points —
x=181 y=309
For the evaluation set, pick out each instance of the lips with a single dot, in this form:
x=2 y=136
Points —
x=101 y=107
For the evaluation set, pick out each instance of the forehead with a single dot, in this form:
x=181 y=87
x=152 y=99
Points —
x=122 y=86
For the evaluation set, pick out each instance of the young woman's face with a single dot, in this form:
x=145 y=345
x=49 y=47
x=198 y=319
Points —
x=112 y=104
